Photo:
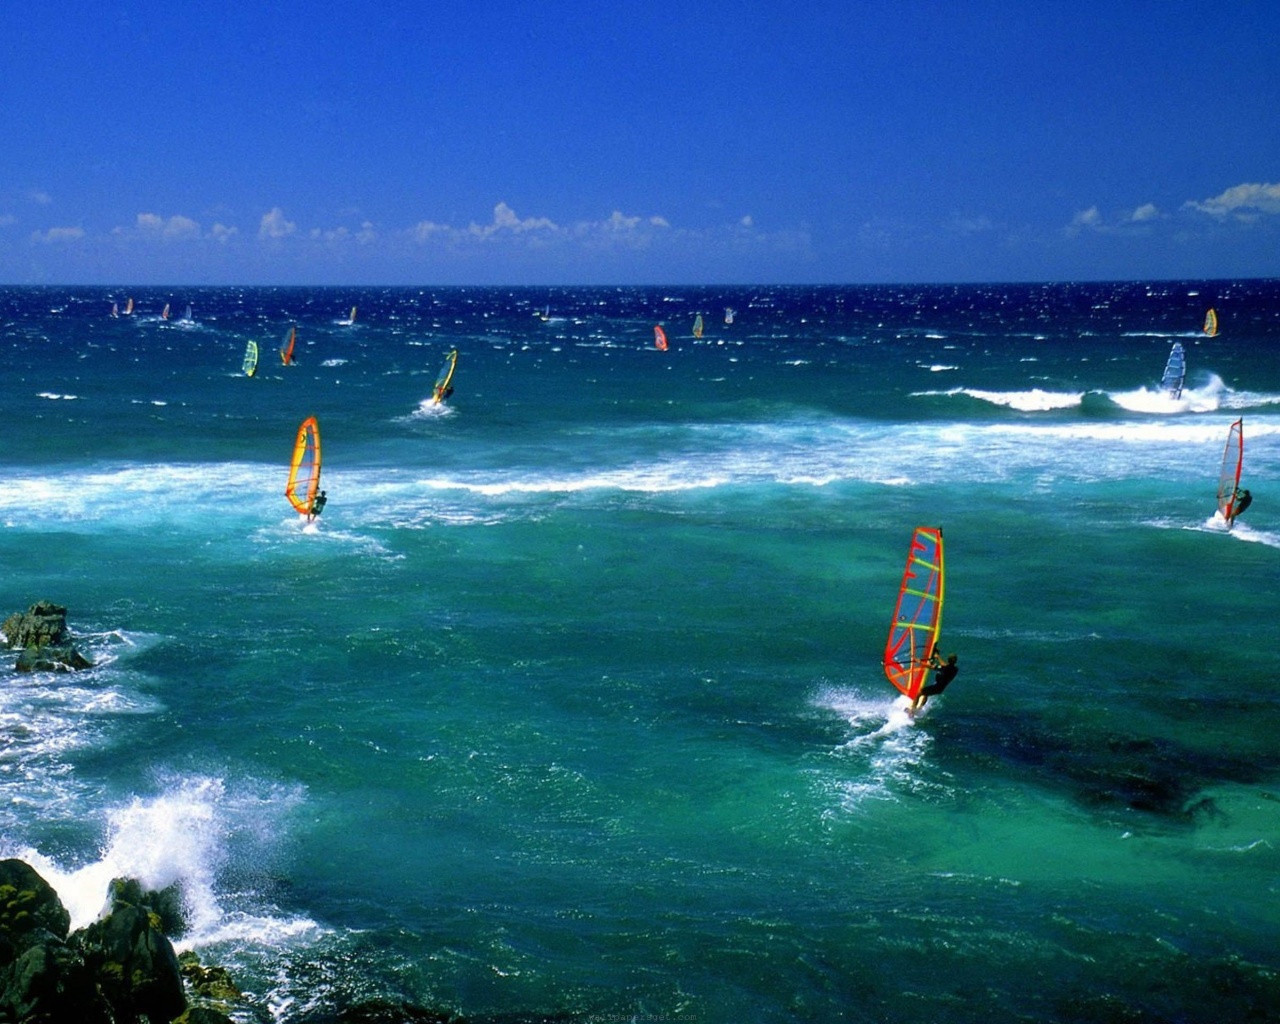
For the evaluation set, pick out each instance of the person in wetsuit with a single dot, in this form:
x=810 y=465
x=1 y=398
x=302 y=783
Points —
x=945 y=672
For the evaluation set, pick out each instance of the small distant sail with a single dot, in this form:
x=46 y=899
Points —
x=164 y=313
x=351 y=319
x=286 y=350
x=1175 y=371
x=128 y=307
x=304 y=469
x=1229 y=475
x=188 y=316
x=659 y=337
x=1211 y=323
x=917 y=618
x=250 y=364
x=545 y=315
x=443 y=386
x=697 y=326
x=729 y=314
x=115 y=309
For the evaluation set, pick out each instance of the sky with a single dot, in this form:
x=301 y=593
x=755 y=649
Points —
x=624 y=142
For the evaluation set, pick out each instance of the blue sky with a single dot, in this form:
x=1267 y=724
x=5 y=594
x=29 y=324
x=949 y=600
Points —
x=721 y=142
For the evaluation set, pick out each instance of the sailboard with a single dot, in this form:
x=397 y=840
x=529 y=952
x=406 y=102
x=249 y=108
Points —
x=917 y=617
x=304 y=469
x=250 y=364
x=351 y=319
x=697 y=326
x=1175 y=371
x=286 y=350
x=164 y=313
x=729 y=314
x=659 y=338
x=128 y=306
x=1229 y=474
x=443 y=386
x=1211 y=323
x=115 y=309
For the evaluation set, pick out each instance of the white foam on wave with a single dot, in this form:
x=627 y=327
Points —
x=1208 y=398
x=884 y=749
x=184 y=836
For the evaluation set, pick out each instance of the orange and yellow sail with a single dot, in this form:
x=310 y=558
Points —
x=917 y=617
x=304 y=469
x=286 y=350
x=659 y=338
x=1211 y=323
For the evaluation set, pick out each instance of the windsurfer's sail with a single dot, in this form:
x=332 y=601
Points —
x=697 y=326
x=659 y=337
x=917 y=619
x=729 y=314
x=164 y=313
x=286 y=350
x=443 y=386
x=1229 y=475
x=1175 y=371
x=304 y=470
x=1211 y=323
x=250 y=364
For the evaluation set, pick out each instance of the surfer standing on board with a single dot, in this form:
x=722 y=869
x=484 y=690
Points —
x=946 y=671
x=1243 y=500
x=317 y=506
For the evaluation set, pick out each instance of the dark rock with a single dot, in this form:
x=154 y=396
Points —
x=41 y=624
x=208 y=982
x=134 y=964
x=41 y=633
x=28 y=904
x=166 y=904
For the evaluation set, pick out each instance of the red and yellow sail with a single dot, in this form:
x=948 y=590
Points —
x=917 y=617
x=304 y=469
x=1211 y=323
x=659 y=338
x=286 y=350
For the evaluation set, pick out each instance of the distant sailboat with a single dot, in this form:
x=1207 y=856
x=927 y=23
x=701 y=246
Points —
x=659 y=338
x=304 y=468
x=128 y=307
x=189 y=316
x=443 y=386
x=1211 y=323
x=729 y=314
x=351 y=319
x=697 y=326
x=545 y=315
x=164 y=313
x=115 y=309
x=1175 y=371
x=250 y=364
x=286 y=350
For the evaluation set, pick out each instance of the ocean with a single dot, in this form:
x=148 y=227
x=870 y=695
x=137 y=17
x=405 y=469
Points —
x=570 y=706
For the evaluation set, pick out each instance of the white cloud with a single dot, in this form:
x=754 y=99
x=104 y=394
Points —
x=222 y=233
x=505 y=219
x=174 y=227
x=1242 y=201
x=274 y=225
x=39 y=197
x=1145 y=212
x=54 y=235
x=1089 y=219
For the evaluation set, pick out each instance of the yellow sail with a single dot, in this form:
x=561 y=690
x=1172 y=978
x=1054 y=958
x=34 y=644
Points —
x=250 y=364
x=917 y=618
x=443 y=386
x=697 y=326
x=1211 y=323
x=304 y=469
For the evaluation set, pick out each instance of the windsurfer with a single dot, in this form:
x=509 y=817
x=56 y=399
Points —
x=1243 y=499
x=946 y=671
x=317 y=505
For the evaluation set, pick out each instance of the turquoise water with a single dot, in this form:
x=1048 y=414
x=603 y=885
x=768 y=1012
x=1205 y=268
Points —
x=571 y=703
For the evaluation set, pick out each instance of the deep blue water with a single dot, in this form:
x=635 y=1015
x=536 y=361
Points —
x=572 y=702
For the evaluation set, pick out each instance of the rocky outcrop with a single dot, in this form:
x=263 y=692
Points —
x=41 y=635
x=120 y=968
